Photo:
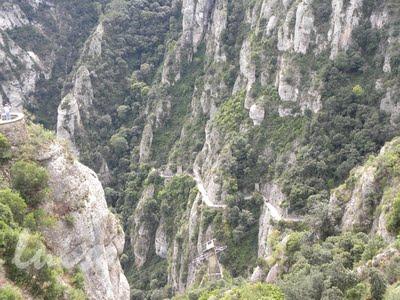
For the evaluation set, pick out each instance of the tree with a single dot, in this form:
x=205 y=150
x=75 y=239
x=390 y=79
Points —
x=393 y=223
x=378 y=285
x=358 y=91
x=30 y=180
x=15 y=203
x=9 y=292
x=5 y=148
x=119 y=144
x=123 y=112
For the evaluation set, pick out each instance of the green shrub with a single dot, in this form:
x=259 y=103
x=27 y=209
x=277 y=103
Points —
x=10 y=293
x=123 y=112
x=293 y=243
x=119 y=144
x=393 y=223
x=372 y=248
x=322 y=10
x=395 y=63
x=15 y=203
x=37 y=219
x=356 y=293
x=5 y=214
x=358 y=91
x=231 y=114
x=78 y=280
x=31 y=180
x=41 y=276
x=256 y=291
x=332 y=294
x=8 y=240
x=226 y=290
x=5 y=148
x=378 y=285
x=74 y=294
x=174 y=198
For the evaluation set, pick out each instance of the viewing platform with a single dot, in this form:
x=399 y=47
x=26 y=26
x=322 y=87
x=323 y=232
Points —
x=15 y=117
x=14 y=129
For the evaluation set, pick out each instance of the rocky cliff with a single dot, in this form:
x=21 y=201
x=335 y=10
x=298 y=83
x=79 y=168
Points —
x=39 y=43
x=88 y=235
x=85 y=234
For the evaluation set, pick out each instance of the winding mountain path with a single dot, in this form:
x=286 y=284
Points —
x=278 y=216
x=200 y=186
x=204 y=194
x=274 y=211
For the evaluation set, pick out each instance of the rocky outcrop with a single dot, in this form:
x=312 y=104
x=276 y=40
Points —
x=11 y=16
x=357 y=208
x=257 y=114
x=69 y=120
x=390 y=105
x=247 y=76
x=367 y=196
x=17 y=84
x=87 y=234
x=93 y=47
x=141 y=233
x=271 y=58
x=273 y=198
x=344 y=19
x=304 y=27
x=145 y=143
x=80 y=99
x=214 y=48
x=161 y=242
x=206 y=165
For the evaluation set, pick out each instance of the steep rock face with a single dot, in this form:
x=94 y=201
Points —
x=145 y=143
x=38 y=46
x=367 y=196
x=16 y=84
x=291 y=33
x=93 y=47
x=248 y=73
x=21 y=68
x=12 y=16
x=92 y=239
x=304 y=27
x=344 y=20
x=202 y=20
x=161 y=242
x=141 y=235
x=271 y=211
x=80 y=99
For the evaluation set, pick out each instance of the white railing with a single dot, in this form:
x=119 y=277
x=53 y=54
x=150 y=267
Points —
x=15 y=117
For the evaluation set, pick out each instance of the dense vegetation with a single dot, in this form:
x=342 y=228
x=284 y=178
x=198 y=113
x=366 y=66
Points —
x=349 y=127
x=235 y=290
x=327 y=145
